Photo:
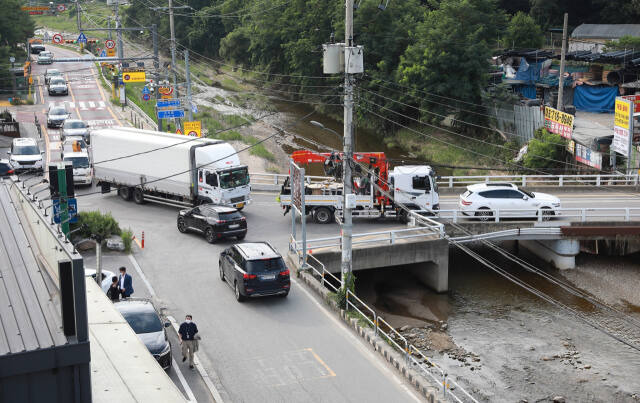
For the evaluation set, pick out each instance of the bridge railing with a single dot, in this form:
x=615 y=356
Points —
x=318 y=270
x=625 y=214
x=598 y=180
x=410 y=353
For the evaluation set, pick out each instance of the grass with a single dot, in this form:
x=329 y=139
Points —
x=66 y=21
x=127 y=236
x=134 y=93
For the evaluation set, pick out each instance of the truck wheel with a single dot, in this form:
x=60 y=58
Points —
x=138 y=196
x=322 y=215
x=125 y=193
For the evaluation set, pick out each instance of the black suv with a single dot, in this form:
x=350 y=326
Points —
x=146 y=323
x=213 y=221
x=254 y=270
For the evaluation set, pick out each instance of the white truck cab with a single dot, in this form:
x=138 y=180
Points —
x=82 y=172
x=415 y=186
x=225 y=186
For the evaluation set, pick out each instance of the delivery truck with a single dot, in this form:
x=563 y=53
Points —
x=181 y=171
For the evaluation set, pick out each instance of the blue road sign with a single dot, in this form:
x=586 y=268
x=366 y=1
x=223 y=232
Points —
x=194 y=108
x=73 y=210
x=103 y=54
x=82 y=38
x=168 y=103
x=170 y=113
x=146 y=97
x=145 y=90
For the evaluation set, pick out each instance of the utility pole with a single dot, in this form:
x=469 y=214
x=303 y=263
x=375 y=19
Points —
x=109 y=26
x=562 y=55
x=347 y=223
x=119 y=32
x=78 y=21
x=156 y=65
x=188 y=74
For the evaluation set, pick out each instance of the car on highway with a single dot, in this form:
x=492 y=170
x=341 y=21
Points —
x=483 y=200
x=147 y=324
x=74 y=128
x=82 y=173
x=45 y=57
x=106 y=277
x=58 y=86
x=254 y=269
x=214 y=222
x=36 y=48
x=56 y=115
x=50 y=73
x=25 y=155
x=6 y=168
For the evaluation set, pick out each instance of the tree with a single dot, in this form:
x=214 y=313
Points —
x=542 y=149
x=16 y=26
x=625 y=42
x=450 y=55
x=523 y=32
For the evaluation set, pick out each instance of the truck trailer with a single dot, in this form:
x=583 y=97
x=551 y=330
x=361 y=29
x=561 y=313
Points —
x=378 y=191
x=166 y=168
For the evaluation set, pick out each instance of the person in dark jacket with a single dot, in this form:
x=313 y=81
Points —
x=187 y=333
x=125 y=283
x=114 y=290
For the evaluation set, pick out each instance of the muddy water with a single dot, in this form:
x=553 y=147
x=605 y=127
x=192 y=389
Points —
x=528 y=349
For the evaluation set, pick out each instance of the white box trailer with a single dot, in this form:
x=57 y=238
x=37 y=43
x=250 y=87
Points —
x=167 y=168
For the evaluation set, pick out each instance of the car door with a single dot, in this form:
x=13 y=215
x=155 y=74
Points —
x=518 y=203
x=198 y=219
x=232 y=260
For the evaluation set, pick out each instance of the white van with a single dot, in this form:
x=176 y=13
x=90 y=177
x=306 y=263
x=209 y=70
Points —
x=25 y=155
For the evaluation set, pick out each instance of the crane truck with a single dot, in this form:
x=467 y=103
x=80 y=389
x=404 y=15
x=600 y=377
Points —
x=379 y=191
x=167 y=168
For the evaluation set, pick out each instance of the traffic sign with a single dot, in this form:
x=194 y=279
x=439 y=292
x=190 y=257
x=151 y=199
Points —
x=82 y=38
x=103 y=53
x=168 y=103
x=193 y=129
x=111 y=52
x=146 y=97
x=170 y=113
x=134 y=77
x=61 y=7
x=73 y=210
x=179 y=131
x=165 y=90
x=110 y=44
x=194 y=108
x=57 y=38
x=145 y=90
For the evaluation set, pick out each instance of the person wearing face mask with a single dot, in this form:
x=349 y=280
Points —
x=187 y=334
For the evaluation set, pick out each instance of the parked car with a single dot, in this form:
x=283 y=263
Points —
x=254 y=269
x=50 y=73
x=74 y=128
x=25 y=154
x=56 y=115
x=36 y=48
x=146 y=323
x=82 y=172
x=45 y=57
x=58 y=86
x=6 y=168
x=106 y=277
x=483 y=200
x=214 y=222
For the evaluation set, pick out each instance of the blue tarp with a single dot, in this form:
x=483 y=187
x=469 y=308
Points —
x=527 y=91
x=528 y=72
x=595 y=99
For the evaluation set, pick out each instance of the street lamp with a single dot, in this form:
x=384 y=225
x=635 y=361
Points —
x=323 y=127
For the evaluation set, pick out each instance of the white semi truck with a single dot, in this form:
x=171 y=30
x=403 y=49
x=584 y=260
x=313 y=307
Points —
x=170 y=169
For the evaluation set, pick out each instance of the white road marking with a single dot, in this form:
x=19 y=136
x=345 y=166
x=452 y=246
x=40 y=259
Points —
x=101 y=123
x=101 y=105
x=54 y=145
x=142 y=276
x=373 y=358
x=72 y=105
x=82 y=106
x=185 y=385
x=92 y=104
x=84 y=86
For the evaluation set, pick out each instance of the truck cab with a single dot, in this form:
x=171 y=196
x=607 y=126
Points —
x=225 y=186
x=82 y=172
x=415 y=186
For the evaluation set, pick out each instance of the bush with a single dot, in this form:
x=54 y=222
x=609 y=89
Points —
x=341 y=295
x=127 y=238
x=546 y=150
x=96 y=223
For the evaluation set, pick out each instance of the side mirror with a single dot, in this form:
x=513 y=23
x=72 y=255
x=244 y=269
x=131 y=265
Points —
x=438 y=177
x=9 y=152
x=525 y=198
x=167 y=324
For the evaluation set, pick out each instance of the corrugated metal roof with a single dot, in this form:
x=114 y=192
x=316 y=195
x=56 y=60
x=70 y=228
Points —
x=605 y=31
x=29 y=320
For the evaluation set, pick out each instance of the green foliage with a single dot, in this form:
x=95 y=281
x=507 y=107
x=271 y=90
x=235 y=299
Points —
x=523 y=32
x=543 y=148
x=625 y=42
x=97 y=223
x=127 y=238
x=15 y=27
x=341 y=295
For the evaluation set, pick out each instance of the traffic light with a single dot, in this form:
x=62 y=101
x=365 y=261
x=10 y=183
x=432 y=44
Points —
x=54 y=183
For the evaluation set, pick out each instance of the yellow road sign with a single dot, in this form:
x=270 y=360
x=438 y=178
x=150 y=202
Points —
x=193 y=129
x=111 y=52
x=134 y=77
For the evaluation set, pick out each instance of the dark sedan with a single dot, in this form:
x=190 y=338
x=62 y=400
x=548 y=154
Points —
x=214 y=222
x=5 y=168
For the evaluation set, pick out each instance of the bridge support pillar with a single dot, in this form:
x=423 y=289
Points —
x=434 y=275
x=561 y=252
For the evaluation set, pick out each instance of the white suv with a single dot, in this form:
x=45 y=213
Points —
x=484 y=200
x=25 y=155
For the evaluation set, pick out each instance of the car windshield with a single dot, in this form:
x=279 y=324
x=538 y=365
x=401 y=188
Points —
x=58 y=111
x=26 y=150
x=234 y=178
x=57 y=81
x=234 y=215
x=53 y=73
x=79 y=162
x=143 y=322
x=266 y=265
x=531 y=195
x=75 y=125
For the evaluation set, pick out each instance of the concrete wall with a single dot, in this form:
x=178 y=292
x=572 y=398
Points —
x=561 y=252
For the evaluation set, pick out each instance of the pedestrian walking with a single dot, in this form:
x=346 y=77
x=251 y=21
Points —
x=187 y=334
x=125 y=283
x=114 y=290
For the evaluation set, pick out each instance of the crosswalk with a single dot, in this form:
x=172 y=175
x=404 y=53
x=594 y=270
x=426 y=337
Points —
x=82 y=105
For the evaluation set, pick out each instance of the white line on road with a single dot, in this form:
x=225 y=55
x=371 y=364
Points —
x=373 y=358
x=142 y=276
x=185 y=385
x=92 y=104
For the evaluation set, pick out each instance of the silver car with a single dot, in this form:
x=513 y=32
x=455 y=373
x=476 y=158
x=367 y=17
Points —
x=58 y=86
x=75 y=128
x=45 y=57
x=50 y=73
x=56 y=116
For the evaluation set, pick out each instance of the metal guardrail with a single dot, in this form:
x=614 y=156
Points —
x=625 y=214
x=535 y=231
x=411 y=354
x=522 y=180
x=321 y=272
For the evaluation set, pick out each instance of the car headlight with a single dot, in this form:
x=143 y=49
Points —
x=166 y=349
x=38 y=163
x=556 y=204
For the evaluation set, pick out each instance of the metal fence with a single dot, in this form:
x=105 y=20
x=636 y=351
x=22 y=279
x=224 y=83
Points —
x=577 y=214
x=521 y=121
